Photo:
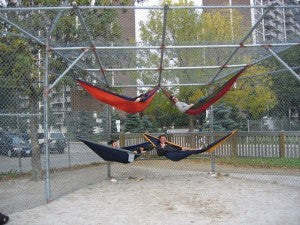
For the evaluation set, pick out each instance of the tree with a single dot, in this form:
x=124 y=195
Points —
x=81 y=124
x=132 y=123
x=255 y=94
x=285 y=86
x=186 y=26
x=114 y=117
x=147 y=125
x=23 y=72
x=223 y=118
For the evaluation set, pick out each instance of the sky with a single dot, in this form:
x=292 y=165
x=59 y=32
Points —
x=142 y=14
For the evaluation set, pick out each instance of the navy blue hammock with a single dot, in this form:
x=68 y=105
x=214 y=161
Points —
x=121 y=155
x=126 y=155
x=178 y=154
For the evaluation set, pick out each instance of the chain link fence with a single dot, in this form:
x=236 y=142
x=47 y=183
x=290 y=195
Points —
x=188 y=50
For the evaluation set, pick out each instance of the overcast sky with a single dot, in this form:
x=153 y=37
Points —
x=141 y=15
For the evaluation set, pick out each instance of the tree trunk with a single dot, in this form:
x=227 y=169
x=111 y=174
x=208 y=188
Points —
x=37 y=172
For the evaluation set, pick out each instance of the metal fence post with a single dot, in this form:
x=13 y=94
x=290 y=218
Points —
x=20 y=162
x=108 y=137
x=46 y=120
x=212 y=155
x=69 y=153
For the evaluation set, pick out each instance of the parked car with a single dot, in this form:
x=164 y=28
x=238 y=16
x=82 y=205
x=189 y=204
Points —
x=57 y=142
x=14 y=145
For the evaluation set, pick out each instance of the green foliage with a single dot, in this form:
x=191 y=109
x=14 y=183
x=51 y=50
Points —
x=137 y=124
x=114 y=116
x=254 y=94
x=261 y=162
x=132 y=123
x=185 y=26
x=285 y=86
x=223 y=118
x=81 y=124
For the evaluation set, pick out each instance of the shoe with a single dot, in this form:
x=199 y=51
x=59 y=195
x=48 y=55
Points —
x=3 y=219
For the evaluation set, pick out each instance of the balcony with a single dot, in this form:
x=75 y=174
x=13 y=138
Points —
x=269 y=37
x=278 y=12
x=270 y=15
x=290 y=31
x=289 y=13
x=56 y=100
x=270 y=24
x=289 y=21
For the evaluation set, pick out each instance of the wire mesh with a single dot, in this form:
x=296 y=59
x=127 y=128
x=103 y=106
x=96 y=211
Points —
x=124 y=52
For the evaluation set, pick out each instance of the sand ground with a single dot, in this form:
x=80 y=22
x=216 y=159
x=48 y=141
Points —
x=194 y=199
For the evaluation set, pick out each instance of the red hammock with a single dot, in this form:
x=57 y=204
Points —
x=206 y=102
x=124 y=103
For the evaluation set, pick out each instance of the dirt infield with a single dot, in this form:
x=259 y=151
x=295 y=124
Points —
x=200 y=198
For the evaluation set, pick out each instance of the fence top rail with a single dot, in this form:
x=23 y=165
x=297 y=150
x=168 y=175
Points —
x=240 y=133
x=53 y=8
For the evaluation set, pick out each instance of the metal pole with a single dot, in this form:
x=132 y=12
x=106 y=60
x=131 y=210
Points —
x=22 y=30
x=20 y=114
x=46 y=111
x=170 y=68
x=67 y=70
x=19 y=153
x=20 y=162
x=283 y=63
x=162 y=47
x=204 y=84
x=39 y=41
x=69 y=153
x=242 y=42
x=53 y=8
x=211 y=129
x=82 y=21
x=59 y=14
x=253 y=63
x=108 y=137
x=173 y=46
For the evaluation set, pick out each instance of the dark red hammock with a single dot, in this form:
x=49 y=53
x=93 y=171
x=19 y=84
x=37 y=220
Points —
x=204 y=103
x=124 y=103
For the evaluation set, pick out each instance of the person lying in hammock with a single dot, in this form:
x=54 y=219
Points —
x=114 y=143
x=176 y=153
x=142 y=97
x=163 y=148
x=181 y=106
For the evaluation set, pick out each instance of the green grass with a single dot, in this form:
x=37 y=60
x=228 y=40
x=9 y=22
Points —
x=13 y=174
x=261 y=162
x=254 y=162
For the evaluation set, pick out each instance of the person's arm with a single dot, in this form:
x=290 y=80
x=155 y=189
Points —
x=160 y=151
x=184 y=149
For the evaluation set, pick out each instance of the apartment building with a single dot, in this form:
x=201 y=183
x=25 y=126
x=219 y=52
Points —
x=279 y=25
